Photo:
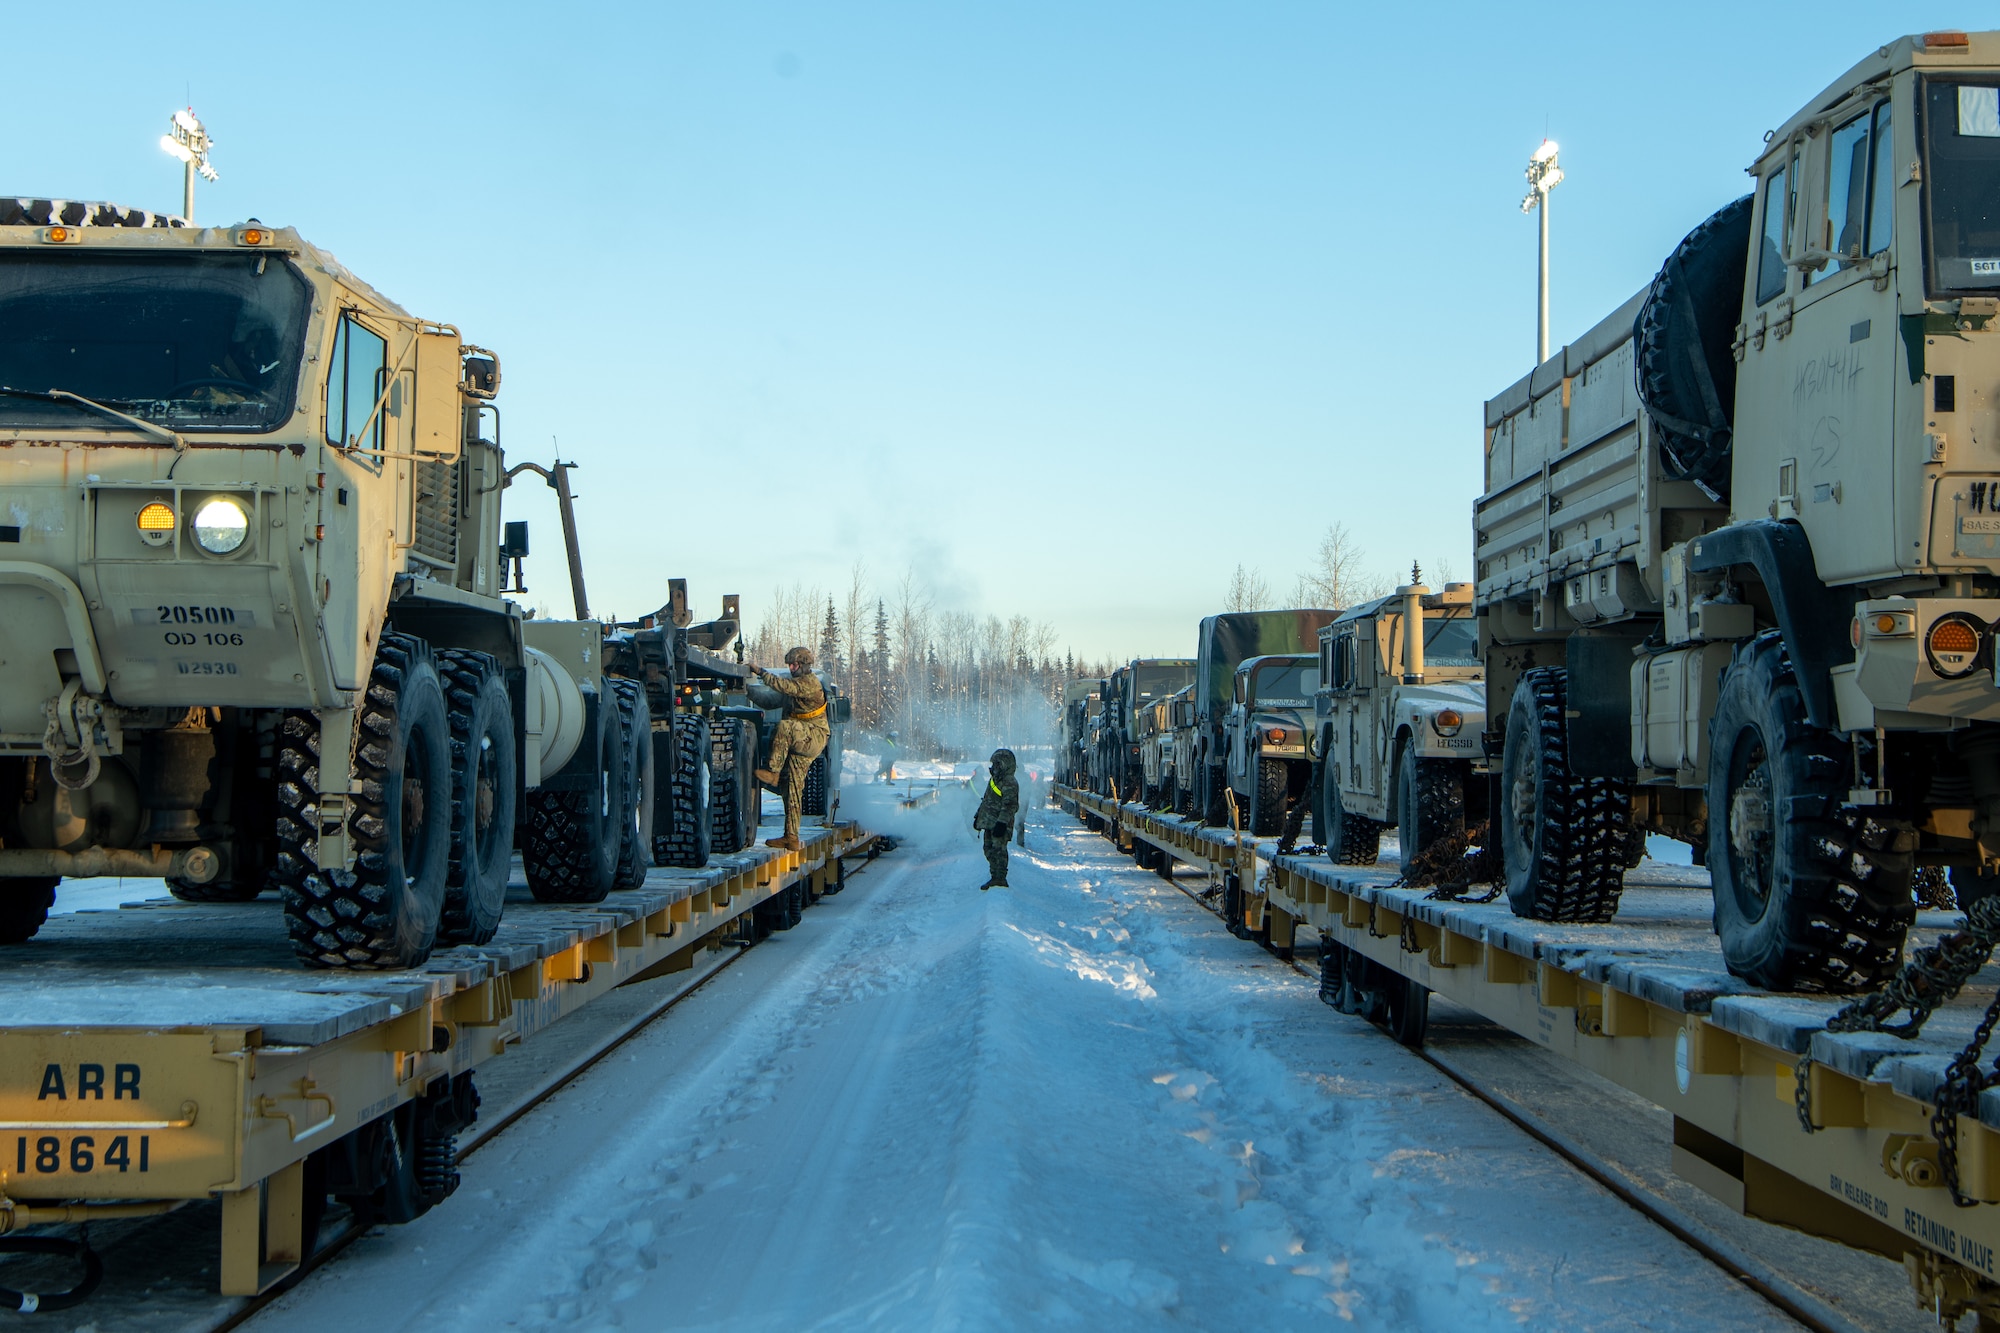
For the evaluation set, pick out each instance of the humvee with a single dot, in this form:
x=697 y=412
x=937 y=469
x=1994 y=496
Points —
x=1266 y=732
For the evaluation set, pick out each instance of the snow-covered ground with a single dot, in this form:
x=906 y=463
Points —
x=1074 y=1103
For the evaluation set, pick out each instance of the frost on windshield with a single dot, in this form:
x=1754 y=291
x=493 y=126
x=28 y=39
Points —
x=195 y=341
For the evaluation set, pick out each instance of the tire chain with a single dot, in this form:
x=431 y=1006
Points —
x=1932 y=978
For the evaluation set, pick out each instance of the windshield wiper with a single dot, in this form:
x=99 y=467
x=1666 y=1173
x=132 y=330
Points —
x=153 y=429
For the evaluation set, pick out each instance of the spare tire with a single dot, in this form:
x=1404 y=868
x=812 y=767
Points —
x=1683 y=337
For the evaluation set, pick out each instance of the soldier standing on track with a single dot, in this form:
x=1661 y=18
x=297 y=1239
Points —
x=995 y=817
x=798 y=740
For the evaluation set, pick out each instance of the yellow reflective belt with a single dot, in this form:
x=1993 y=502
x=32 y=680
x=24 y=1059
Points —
x=993 y=786
x=817 y=712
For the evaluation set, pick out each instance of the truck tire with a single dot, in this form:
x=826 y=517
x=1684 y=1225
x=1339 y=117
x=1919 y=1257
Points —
x=25 y=901
x=1682 y=339
x=814 y=800
x=485 y=784
x=1807 y=896
x=1267 y=802
x=385 y=912
x=683 y=840
x=733 y=798
x=1350 y=839
x=1563 y=838
x=571 y=839
x=635 y=822
x=1430 y=805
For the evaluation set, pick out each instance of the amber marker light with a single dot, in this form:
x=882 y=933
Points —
x=253 y=236
x=1447 y=722
x=156 y=523
x=1934 y=40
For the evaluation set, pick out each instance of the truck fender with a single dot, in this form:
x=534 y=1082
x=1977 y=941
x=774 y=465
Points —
x=1812 y=618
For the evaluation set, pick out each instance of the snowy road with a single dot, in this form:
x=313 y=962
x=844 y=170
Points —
x=1073 y=1103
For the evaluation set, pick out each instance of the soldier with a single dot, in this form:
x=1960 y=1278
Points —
x=798 y=740
x=995 y=817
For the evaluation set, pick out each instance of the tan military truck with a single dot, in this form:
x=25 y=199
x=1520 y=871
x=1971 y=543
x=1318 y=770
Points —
x=1265 y=737
x=250 y=573
x=1397 y=718
x=1739 y=549
x=1156 y=747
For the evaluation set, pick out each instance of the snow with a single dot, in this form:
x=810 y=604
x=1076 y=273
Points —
x=1074 y=1103
x=105 y=894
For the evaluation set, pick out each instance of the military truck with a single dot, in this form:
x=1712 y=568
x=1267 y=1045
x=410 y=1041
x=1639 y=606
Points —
x=1128 y=692
x=1265 y=734
x=1738 y=558
x=1396 y=725
x=1222 y=644
x=1082 y=700
x=1156 y=749
x=252 y=580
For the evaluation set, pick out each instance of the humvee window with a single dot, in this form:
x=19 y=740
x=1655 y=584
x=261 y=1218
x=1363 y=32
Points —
x=1771 y=258
x=353 y=383
x=193 y=342
x=1962 y=186
x=1451 y=641
x=1280 y=682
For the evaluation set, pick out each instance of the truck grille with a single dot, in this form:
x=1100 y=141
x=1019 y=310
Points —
x=437 y=512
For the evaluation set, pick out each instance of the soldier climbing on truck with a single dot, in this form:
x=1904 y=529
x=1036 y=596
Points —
x=798 y=740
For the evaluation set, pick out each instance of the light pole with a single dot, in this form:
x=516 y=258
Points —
x=188 y=140
x=1543 y=175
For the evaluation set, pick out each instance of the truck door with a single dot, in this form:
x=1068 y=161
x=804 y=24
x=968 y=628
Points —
x=1823 y=393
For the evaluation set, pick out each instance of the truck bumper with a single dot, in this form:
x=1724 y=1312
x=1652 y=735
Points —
x=1898 y=682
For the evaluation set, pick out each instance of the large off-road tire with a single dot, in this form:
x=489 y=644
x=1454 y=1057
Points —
x=733 y=797
x=385 y=912
x=1564 y=838
x=681 y=838
x=24 y=906
x=817 y=787
x=570 y=840
x=1807 y=896
x=1349 y=839
x=1682 y=339
x=1430 y=805
x=635 y=839
x=485 y=785
x=1267 y=801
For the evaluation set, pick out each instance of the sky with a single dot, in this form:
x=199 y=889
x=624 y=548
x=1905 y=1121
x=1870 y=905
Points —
x=1059 y=309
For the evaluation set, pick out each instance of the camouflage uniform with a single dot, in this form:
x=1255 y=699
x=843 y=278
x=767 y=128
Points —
x=798 y=739
x=995 y=817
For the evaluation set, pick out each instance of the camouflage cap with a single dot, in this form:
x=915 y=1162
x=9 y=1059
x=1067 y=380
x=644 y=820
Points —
x=799 y=657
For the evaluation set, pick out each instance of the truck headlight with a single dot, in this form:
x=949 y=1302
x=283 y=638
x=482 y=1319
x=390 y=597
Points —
x=1447 y=722
x=220 y=526
x=1276 y=735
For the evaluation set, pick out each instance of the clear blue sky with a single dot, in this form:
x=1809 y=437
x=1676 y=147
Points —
x=1069 y=308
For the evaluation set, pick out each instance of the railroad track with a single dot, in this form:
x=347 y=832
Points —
x=1795 y=1303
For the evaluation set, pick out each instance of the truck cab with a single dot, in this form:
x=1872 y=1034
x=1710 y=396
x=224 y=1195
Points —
x=1223 y=643
x=1396 y=722
x=1266 y=731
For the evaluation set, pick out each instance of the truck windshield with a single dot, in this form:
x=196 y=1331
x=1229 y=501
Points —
x=1451 y=642
x=1962 y=185
x=191 y=341
x=1280 y=682
x=1159 y=679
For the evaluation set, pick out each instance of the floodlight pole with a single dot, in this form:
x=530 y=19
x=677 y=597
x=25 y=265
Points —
x=187 y=201
x=1543 y=176
x=187 y=139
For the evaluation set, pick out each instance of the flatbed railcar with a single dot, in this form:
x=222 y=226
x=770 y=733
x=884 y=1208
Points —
x=1646 y=1002
x=169 y=1052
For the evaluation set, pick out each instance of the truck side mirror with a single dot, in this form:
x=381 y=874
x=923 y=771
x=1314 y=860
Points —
x=513 y=547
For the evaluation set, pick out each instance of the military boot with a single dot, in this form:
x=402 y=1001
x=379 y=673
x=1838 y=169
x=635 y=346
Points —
x=787 y=842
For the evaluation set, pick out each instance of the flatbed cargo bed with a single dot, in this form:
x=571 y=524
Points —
x=1646 y=1002
x=171 y=1051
